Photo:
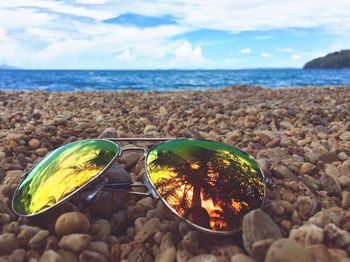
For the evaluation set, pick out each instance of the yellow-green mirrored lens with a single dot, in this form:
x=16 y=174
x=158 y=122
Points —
x=210 y=184
x=62 y=172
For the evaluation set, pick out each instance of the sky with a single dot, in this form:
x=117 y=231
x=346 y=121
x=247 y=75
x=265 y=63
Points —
x=162 y=34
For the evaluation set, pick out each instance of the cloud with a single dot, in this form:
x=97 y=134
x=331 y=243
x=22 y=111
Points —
x=265 y=54
x=295 y=57
x=125 y=56
x=245 y=50
x=285 y=50
x=186 y=53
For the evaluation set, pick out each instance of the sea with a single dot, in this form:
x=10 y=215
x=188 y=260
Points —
x=147 y=80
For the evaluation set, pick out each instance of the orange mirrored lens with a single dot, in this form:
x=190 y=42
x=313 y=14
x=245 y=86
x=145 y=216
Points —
x=210 y=184
x=61 y=173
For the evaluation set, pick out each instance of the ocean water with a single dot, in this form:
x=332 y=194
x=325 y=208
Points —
x=68 y=80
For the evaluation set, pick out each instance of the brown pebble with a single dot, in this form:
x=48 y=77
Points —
x=51 y=256
x=75 y=242
x=72 y=222
x=283 y=250
x=91 y=256
x=8 y=243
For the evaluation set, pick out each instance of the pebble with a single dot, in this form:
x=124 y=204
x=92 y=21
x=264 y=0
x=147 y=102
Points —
x=75 y=242
x=8 y=243
x=148 y=230
x=91 y=256
x=329 y=184
x=320 y=253
x=225 y=252
x=258 y=225
x=39 y=239
x=328 y=157
x=307 y=235
x=204 y=257
x=283 y=250
x=51 y=256
x=260 y=248
x=34 y=143
x=241 y=258
x=100 y=247
x=306 y=207
x=72 y=222
x=41 y=151
x=339 y=238
x=345 y=199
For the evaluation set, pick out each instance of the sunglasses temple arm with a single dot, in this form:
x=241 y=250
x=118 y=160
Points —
x=125 y=187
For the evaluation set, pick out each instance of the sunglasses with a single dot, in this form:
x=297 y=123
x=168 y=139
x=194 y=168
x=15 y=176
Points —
x=208 y=184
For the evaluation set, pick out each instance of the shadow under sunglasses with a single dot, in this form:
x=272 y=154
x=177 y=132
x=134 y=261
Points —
x=208 y=184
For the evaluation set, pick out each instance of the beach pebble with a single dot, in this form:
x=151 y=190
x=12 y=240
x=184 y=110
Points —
x=117 y=174
x=204 y=257
x=91 y=256
x=139 y=254
x=163 y=111
x=307 y=235
x=345 y=136
x=329 y=184
x=41 y=151
x=51 y=256
x=338 y=237
x=324 y=217
x=104 y=229
x=75 y=242
x=26 y=233
x=8 y=243
x=130 y=159
x=109 y=132
x=13 y=177
x=241 y=258
x=72 y=222
x=260 y=248
x=100 y=247
x=34 y=143
x=345 y=199
x=183 y=255
x=319 y=253
x=225 y=252
x=39 y=239
x=306 y=206
x=328 y=157
x=258 y=225
x=308 y=168
x=283 y=250
x=148 y=230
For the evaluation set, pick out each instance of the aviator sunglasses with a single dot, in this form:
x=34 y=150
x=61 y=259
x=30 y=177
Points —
x=208 y=184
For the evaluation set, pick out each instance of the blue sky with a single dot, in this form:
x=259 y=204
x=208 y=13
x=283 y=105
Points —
x=155 y=34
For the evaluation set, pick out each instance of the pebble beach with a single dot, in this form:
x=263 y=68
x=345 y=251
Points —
x=299 y=136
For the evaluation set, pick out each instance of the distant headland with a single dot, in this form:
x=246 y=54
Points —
x=334 y=60
x=7 y=67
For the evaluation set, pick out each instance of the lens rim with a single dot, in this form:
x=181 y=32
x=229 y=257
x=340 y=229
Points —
x=156 y=194
x=98 y=175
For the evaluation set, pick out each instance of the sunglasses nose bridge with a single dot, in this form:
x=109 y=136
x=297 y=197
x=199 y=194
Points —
x=134 y=148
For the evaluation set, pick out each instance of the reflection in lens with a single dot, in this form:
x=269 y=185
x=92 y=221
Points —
x=210 y=184
x=62 y=172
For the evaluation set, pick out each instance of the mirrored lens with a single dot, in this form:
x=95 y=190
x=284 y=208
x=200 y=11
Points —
x=62 y=172
x=207 y=183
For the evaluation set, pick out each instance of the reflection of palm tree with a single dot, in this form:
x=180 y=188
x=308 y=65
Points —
x=100 y=160
x=223 y=178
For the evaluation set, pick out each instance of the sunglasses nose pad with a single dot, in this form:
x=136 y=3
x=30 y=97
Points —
x=88 y=196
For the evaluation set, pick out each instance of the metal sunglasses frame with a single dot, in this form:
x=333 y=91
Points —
x=126 y=187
